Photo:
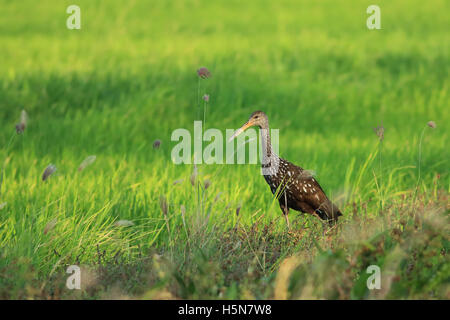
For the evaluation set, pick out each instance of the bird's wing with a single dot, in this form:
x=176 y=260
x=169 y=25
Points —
x=304 y=186
x=317 y=199
x=309 y=191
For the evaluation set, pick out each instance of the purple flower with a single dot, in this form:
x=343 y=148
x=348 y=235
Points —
x=206 y=97
x=156 y=144
x=20 y=127
x=203 y=73
x=379 y=131
x=48 y=171
x=238 y=209
x=432 y=124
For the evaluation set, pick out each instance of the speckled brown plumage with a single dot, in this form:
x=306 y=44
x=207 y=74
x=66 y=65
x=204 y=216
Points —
x=294 y=187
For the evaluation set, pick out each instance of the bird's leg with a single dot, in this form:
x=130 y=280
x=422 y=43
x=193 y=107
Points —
x=287 y=219
x=285 y=209
x=285 y=214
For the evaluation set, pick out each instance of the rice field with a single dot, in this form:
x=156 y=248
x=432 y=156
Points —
x=87 y=176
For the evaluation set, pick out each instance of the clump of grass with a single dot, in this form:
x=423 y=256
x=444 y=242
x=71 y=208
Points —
x=256 y=260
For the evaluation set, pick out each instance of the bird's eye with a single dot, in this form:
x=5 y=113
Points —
x=256 y=117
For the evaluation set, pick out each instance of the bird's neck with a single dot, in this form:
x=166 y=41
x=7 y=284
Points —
x=268 y=154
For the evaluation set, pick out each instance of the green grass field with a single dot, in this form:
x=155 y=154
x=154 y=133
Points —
x=128 y=77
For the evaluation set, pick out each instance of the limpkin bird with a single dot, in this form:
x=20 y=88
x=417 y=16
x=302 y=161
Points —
x=294 y=187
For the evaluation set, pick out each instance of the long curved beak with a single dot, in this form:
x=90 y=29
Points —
x=246 y=125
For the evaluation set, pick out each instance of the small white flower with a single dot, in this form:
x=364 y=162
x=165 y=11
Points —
x=124 y=223
x=86 y=162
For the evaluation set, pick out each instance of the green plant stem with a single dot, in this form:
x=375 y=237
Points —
x=4 y=162
x=204 y=116
x=198 y=98
x=381 y=176
x=419 y=160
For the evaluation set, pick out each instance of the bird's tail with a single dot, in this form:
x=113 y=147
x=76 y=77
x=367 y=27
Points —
x=329 y=212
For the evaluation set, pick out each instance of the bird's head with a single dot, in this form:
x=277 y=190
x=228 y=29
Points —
x=257 y=118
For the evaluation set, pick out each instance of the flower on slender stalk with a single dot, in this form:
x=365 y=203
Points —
x=50 y=225
x=156 y=144
x=432 y=124
x=164 y=205
x=217 y=197
x=86 y=162
x=194 y=175
x=204 y=73
x=207 y=184
x=20 y=127
x=177 y=181
x=379 y=131
x=165 y=209
x=205 y=97
x=48 y=172
x=238 y=209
